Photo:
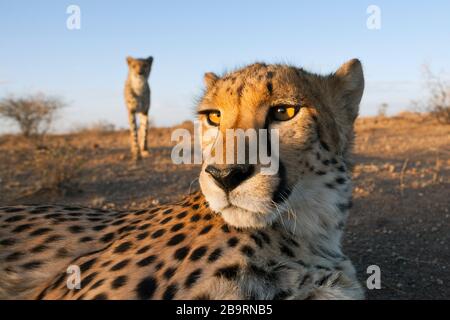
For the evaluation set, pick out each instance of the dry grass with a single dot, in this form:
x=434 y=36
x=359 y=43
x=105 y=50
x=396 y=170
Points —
x=57 y=168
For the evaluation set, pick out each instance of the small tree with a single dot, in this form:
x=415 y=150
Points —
x=438 y=103
x=33 y=114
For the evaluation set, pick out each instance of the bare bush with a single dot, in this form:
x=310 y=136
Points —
x=34 y=114
x=58 y=168
x=438 y=103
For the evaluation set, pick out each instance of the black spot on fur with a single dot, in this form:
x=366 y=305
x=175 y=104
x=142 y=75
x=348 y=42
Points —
x=176 y=239
x=159 y=266
x=7 y=242
x=14 y=256
x=265 y=275
x=257 y=240
x=107 y=237
x=181 y=253
x=99 y=227
x=14 y=218
x=97 y=284
x=192 y=278
x=205 y=230
x=62 y=253
x=123 y=247
x=198 y=253
x=87 y=265
x=126 y=228
x=225 y=228
x=118 y=222
x=324 y=145
x=269 y=87
x=144 y=226
x=321 y=173
x=329 y=185
x=101 y=296
x=264 y=236
x=170 y=292
x=195 y=217
x=169 y=273
x=142 y=235
x=177 y=227
x=182 y=214
x=38 y=210
x=248 y=251
x=158 y=233
x=207 y=216
x=215 y=255
x=22 y=227
x=164 y=221
x=39 y=248
x=76 y=229
x=12 y=209
x=341 y=169
x=340 y=180
x=326 y=162
x=228 y=272
x=32 y=265
x=118 y=282
x=232 y=242
x=143 y=249
x=88 y=279
x=287 y=251
x=146 y=261
x=195 y=206
x=120 y=265
x=86 y=239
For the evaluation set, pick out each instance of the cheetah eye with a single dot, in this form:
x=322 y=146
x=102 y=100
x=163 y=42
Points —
x=283 y=113
x=213 y=117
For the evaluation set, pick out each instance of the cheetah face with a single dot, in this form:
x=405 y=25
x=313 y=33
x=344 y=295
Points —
x=140 y=67
x=307 y=111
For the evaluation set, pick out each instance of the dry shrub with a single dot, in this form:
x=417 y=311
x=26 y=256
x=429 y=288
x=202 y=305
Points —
x=438 y=103
x=98 y=127
x=33 y=114
x=58 y=168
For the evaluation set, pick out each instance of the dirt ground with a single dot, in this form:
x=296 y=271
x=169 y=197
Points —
x=401 y=215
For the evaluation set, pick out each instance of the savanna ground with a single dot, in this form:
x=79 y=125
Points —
x=401 y=215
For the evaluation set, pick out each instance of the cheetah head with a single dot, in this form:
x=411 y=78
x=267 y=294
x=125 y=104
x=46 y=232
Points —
x=140 y=67
x=313 y=116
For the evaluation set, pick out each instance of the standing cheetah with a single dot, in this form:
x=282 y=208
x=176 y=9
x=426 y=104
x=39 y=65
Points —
x=244 y=236
x=137 y=98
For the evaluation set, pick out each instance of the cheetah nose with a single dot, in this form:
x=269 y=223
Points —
x=230 y=176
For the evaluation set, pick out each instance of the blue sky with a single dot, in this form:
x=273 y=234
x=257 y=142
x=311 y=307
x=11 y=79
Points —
x=187 y=38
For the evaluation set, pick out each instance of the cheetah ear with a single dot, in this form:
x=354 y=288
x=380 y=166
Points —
x=350 y=86
x=210 y=78
x=150 y=60
x=129 y=60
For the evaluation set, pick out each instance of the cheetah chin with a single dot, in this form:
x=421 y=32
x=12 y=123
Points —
x=251 y=205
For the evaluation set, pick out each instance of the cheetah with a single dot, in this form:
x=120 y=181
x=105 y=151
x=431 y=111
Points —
x=243 y=235
x=137 y=98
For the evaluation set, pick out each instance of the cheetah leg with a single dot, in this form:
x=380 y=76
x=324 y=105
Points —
x=143 y=130
x=133 y=136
